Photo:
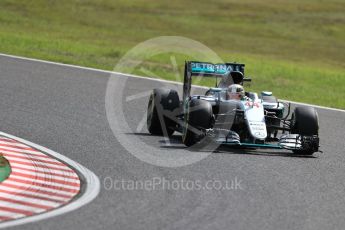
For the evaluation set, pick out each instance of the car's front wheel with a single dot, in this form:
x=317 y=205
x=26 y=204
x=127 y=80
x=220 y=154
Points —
x=305 y=123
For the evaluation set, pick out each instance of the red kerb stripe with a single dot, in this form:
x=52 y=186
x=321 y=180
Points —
x=46 y=172
x=3 y=218
x=43 y=185
x=17 y=147
x=30 y=196
x=21 y=152
x=33 y=159
x=41 y=166
x=36 y=190
x=47 y=179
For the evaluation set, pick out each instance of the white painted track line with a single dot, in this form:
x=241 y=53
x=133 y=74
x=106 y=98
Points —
x=136 y=76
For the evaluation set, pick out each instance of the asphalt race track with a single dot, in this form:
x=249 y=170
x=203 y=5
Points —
x=63 y=109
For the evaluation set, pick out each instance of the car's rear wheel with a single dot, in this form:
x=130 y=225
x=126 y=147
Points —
x=160 y=112
x=197 y=118
x=305 y=123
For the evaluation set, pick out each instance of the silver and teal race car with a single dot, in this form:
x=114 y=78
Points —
x=255 y=121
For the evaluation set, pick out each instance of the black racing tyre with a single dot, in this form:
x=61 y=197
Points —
x=198 y=117
x=306 y=123
x=161 y=108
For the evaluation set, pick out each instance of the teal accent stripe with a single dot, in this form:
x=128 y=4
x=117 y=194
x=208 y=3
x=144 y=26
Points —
x=270 y=146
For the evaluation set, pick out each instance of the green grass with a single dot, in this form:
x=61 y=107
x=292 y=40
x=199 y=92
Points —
x=5 y=168
x=293 y=48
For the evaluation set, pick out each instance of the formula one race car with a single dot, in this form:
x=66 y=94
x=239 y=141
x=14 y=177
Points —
x=248 y=119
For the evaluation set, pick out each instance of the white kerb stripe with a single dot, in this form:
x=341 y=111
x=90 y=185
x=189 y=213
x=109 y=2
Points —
x=30 y=200
x=11 y=214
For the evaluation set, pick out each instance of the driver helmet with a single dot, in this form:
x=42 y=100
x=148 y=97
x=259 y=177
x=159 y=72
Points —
x=235 y=92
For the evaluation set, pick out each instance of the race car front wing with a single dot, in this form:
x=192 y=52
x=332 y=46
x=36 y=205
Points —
x=287 y=141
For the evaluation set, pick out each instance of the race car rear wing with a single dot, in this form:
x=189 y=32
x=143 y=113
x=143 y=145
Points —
x=206 y=69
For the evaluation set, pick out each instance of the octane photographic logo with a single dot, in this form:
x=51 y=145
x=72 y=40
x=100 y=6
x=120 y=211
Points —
x=124 y=92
